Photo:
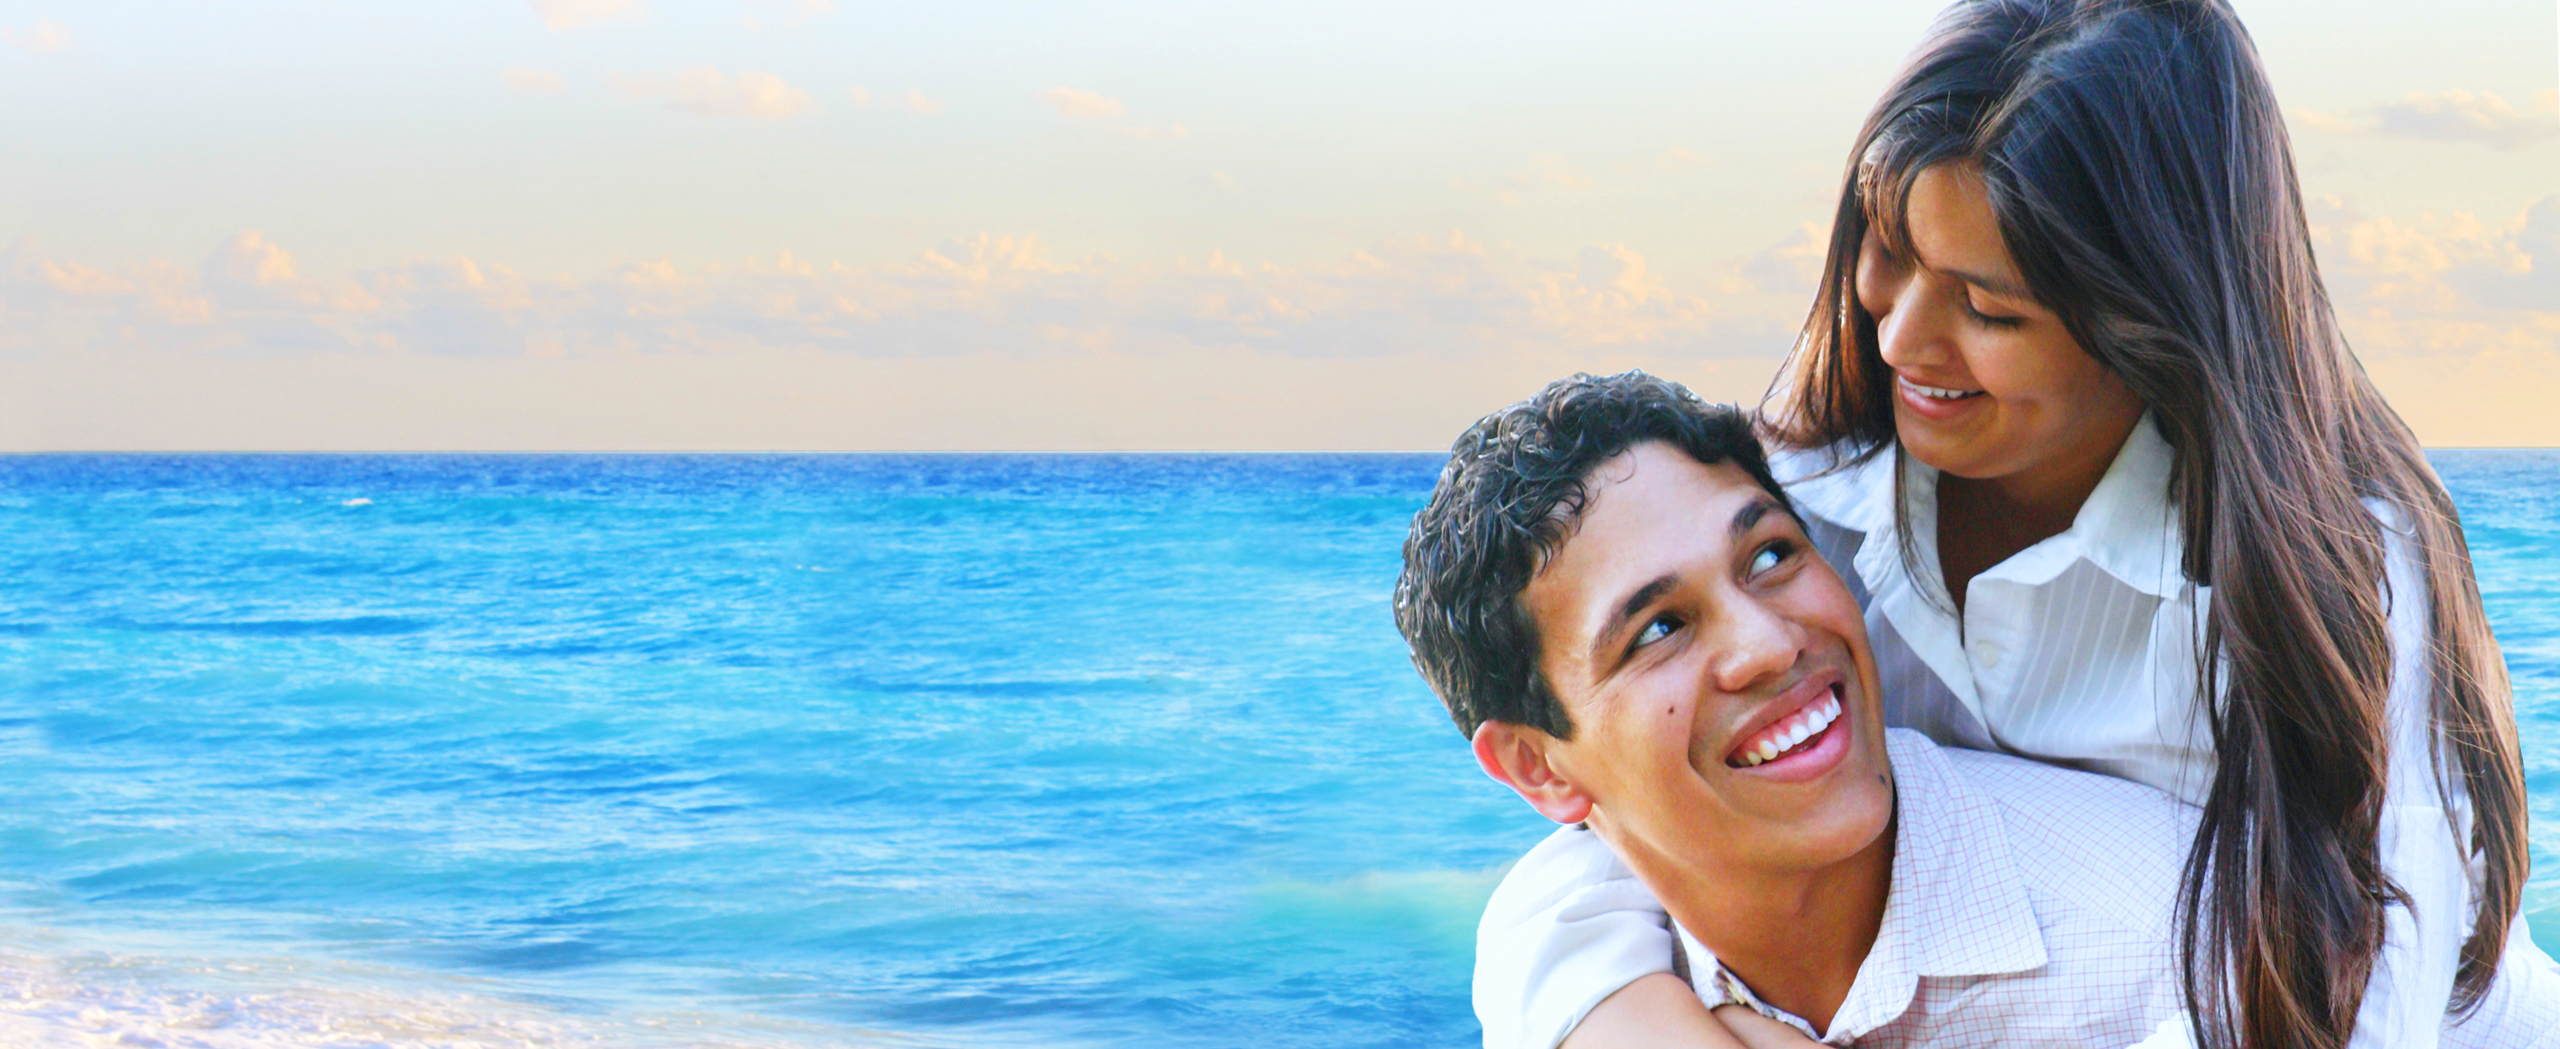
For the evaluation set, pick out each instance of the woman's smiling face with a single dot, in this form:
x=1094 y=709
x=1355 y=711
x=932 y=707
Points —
x=1988 y=385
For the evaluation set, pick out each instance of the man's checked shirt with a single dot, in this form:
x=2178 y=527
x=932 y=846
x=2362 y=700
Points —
x=2030 y=906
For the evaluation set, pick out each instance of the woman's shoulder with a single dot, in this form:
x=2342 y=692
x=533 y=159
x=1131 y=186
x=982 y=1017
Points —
x=1841 y=483
x=2397 y=527
x=1792 y=464
x=2404 y=576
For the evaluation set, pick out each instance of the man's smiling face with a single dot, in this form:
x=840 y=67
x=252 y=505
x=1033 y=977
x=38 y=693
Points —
x=1716 y=672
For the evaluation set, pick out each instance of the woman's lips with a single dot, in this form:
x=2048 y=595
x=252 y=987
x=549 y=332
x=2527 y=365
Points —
x=1935 y=402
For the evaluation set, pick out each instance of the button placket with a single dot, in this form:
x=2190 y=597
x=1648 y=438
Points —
x=1987 y=637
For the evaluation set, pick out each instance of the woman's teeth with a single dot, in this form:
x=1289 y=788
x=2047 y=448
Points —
x=1792 y=732
x=1937 y=392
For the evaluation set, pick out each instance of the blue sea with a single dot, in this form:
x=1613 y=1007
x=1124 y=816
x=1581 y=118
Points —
x=781 y=750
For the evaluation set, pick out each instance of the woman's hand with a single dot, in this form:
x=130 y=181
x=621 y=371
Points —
x=1661 y=1011
x=1760 y=1032
x=1657 y=1010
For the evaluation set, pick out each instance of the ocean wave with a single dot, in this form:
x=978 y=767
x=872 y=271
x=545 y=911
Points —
x=56 y=994
x=1057 y=750
x=351 y=626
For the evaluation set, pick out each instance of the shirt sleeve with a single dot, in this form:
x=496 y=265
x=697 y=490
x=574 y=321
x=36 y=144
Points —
x=2173 y=1033
x=2422 y=850
x=2522 y=1008
x=1568 y=927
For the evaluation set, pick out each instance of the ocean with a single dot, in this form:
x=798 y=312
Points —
x=782 y=750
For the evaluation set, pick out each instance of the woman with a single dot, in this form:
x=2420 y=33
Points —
x=2072 y=409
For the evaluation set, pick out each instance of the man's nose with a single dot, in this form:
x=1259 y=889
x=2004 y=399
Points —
x=1754 y=643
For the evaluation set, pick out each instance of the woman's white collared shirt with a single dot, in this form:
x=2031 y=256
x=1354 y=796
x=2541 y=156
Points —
x=2080 y=651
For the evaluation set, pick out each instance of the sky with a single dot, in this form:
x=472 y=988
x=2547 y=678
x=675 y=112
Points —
x=659 y=225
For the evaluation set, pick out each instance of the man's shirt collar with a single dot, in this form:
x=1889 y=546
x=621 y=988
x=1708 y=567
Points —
x=1957 y=908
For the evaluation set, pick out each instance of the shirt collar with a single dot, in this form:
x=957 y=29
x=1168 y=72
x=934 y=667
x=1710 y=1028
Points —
x=2127 y=527
x=1957 y=908
x=1832 y=483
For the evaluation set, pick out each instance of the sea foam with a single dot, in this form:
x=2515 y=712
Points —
x=75 y=996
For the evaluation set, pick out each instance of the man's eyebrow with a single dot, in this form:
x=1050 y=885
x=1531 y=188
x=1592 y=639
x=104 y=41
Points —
x=1744 y=520
x=1749 y=516
x=1627 y=609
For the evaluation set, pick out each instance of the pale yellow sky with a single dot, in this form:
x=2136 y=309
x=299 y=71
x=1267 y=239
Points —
x=832 y=224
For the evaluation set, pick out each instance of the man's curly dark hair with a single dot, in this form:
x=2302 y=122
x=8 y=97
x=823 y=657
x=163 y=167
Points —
x=1505 y=503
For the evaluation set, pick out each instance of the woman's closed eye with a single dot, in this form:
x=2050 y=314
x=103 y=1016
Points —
x=1989 y=320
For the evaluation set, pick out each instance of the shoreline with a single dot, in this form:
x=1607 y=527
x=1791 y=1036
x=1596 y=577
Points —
x=58 y=988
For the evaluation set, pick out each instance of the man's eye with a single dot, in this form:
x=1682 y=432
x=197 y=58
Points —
x=1769 y=558
x=1660 y=628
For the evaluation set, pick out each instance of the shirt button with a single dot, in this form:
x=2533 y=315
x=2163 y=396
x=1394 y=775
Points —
x=1987 y=652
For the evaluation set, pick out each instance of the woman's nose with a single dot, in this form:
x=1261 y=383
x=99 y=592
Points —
x=1910 y=332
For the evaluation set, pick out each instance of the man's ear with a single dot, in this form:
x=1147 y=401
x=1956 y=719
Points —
x=1517 y=756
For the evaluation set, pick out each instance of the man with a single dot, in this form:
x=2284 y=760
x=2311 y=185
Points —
x=1616 y=603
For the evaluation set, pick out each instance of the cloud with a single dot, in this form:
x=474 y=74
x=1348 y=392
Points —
x=2453 y=116
x=2434 y=287
x=1216 y=180
x=579 y=14
x=1077 y=104
x=265 y=303
x=1397 y=345
x=1546 y=172
x=861 y=98
x=979 y=295
x=768 y=400
x=46 y=37
x=1083 y=105
x=534 y=81
x=245 y=295
x=1792 y=268
x=2442 y=284
x=2457 y=319
x=705 y=90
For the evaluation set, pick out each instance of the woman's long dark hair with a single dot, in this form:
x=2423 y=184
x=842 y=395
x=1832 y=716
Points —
x=2138 y=168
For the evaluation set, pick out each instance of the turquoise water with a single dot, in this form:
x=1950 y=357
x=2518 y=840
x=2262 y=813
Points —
x=898 y=750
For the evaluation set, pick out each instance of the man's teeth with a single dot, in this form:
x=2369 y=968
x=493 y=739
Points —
x=1793 y=731
x=1939 y=392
